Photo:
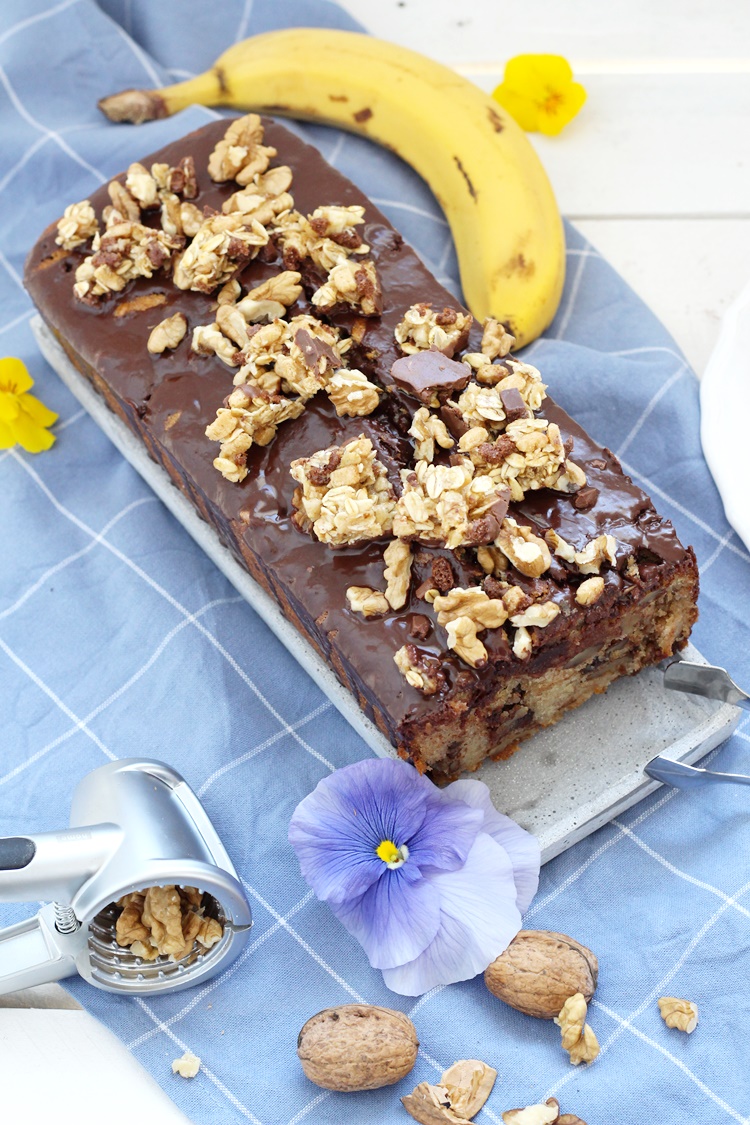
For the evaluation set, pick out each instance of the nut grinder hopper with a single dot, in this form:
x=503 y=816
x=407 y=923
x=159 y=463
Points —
x=134 y=824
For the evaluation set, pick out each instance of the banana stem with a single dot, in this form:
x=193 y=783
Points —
x=137 y=106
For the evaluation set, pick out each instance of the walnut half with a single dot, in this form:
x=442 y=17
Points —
x=682 y=1014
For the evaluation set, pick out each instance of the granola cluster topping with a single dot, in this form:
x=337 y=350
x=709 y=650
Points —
x=344 y=496
x=451 y=505
x=78 y=225
x=352 y=393
x=351 y=283
x=423 y=328
x=325 y=237
x=240 y=154
x=165 y=922
x=529 y=455
x=221 y=246
x=125 y=251
x=251 y=415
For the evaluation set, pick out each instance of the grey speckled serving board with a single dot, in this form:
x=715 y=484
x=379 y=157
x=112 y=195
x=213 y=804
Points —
x=565 y=782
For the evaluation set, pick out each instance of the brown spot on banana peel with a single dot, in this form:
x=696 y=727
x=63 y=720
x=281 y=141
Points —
x=362 y=115
x=496 y=120
x=465 y=174
x=518 y=265
x=221 y=78
x=338 y=98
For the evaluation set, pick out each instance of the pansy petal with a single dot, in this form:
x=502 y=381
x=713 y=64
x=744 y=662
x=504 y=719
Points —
x=529 y=74
x=478 y=920
x=521 y=108
x=40 y=413
x=7 y=437
x=32 y=437
x=9 y=407
x=337 y=828
x=521 y=846
x=447 y=833
x=14 y=376
x=396 y=919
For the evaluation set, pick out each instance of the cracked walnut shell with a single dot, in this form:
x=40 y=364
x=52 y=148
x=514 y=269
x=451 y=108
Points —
x=357 y=1047
x=540 y=970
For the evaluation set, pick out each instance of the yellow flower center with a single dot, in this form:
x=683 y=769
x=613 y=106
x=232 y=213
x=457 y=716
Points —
x=392 y=856
x=552 y=103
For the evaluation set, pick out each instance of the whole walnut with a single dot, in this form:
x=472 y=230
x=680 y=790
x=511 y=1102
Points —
x=357 y=1047
x=540 y=970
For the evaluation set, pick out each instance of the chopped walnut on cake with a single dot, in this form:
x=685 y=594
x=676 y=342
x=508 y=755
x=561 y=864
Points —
x=78 y=225
x=240 y=154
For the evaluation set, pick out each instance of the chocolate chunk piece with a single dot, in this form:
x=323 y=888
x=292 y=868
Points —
x=513 y=404
x=454 y=420
x=487 y=527
x=318 y=355
x=426 y=375
x=585 y=498
x=420 y=626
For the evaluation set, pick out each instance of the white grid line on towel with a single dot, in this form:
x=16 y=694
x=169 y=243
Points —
x=11 y=271
x=100 y=707
x=660 y=987
x=701 y=523
x=207 y=989
x=247 y=11
x=17 y=320
x=235 y=1101
x=176 y=604
x=673 y=1059
x=36 y=19
x=274 y=738
x=140 y=54
x=574 y=287
x=20 y=107
x=23 y=160
x=649 y=851
x=654 y=402
x=716 y=553
x=58 y=426
x=56 y=699
x=63 y=563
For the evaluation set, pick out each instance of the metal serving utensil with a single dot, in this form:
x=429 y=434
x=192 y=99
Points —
x=713 y=683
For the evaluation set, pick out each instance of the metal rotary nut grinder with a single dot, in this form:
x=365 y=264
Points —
x=134 y=824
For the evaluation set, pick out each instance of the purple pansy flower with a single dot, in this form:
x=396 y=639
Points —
x=432 y=882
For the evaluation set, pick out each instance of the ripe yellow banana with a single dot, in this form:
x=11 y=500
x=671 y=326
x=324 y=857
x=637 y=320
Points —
x=478 y=162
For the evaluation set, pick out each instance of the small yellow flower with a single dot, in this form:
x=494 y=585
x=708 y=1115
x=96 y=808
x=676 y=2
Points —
x=539 y=92
x=23 y=418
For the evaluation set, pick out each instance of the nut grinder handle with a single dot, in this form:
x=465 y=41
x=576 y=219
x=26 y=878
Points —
x=54 y=865
x=34 y=952
x=48 y=865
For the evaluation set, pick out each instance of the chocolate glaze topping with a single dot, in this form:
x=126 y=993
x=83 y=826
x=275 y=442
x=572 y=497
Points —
x=170 y=398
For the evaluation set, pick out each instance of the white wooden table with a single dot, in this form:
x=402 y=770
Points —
x=655 y=172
